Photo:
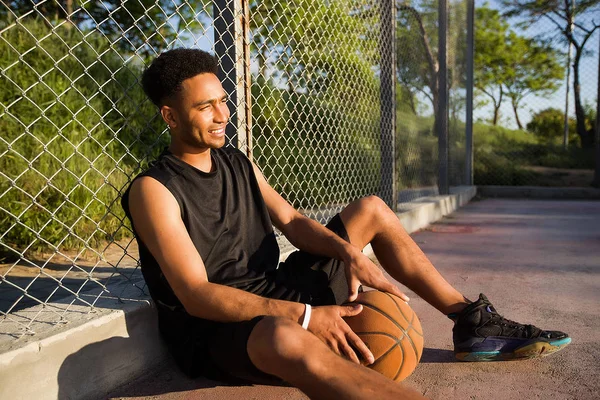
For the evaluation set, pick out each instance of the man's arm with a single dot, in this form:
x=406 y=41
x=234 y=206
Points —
x=157 y=220
x=309 y=235
x=304 y=233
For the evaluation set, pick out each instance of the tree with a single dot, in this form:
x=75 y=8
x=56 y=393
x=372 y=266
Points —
x=78 y=125
x=509 y=65
x=143 y=26
x=532 y=68
x=287 y=41
x=491 y=55
x=416 y=59
x=417 y=68
x=562 y=14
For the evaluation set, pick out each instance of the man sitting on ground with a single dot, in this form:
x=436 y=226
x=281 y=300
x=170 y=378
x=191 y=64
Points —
x=203 y=216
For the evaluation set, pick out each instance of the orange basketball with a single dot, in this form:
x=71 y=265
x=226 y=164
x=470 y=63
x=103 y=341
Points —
x=391 y=330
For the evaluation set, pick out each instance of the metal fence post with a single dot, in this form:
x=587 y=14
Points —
x=387 y=49
x=469 y=99
x=568 y=83
x=442 y=117
x=596 y=181
x=232 y=49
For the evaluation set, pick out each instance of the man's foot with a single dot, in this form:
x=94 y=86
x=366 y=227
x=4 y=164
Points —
x=481 y=334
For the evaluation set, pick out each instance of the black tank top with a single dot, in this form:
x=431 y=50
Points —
x=226 y=218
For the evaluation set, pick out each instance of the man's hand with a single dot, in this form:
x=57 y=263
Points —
x=361 y=270
x=327 y=324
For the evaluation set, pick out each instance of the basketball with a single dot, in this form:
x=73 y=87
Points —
x=391 y=330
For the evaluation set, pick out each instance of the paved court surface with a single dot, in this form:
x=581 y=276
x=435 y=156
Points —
x=537 y=261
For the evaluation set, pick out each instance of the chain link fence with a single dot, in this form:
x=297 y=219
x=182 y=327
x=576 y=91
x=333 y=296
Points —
x=313 y=102
x=322 y=120
x=418 y=73
x=536 y=80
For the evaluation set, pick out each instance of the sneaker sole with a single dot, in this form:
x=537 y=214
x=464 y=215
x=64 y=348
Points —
x=531 y=350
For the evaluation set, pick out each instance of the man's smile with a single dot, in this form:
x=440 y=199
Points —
x=217 y=132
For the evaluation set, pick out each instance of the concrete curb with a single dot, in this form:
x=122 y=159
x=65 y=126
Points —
x=95 y=357
x=540 y=192
x=86 y=361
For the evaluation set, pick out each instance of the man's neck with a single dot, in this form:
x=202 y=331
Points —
x=199 y=159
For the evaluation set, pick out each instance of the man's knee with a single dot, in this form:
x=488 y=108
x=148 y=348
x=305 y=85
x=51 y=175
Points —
x=276 y=342
x=373 y=205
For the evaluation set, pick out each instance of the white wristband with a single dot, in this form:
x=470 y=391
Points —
x=306 y=319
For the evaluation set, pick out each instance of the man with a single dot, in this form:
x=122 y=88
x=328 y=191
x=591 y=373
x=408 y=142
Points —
x=203 y=216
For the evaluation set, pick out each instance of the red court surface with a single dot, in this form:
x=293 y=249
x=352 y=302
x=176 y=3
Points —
x=537 y=261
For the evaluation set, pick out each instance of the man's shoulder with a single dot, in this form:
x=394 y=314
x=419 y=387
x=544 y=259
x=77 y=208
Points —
x=159 y=169
x=163 y=169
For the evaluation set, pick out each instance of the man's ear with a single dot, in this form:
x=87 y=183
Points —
x=169 y=116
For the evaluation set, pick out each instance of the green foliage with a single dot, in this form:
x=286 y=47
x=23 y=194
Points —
x=304 y=145
x=310 y=121
x=501 y=156
x=68 y=147
x=494 y=169
x=548 y=126
x=507 y=64
x=490 y=58
x=533 y=10
x=590 y=111
x=293 y=35
x=416 y=151
x=145 y=27
x=417 y=48
x=490 y=33
x=573 y=24
x=556 y=157
x=532 y=68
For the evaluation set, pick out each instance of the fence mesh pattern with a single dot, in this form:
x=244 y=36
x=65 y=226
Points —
x=314 y=106
x=316 y=92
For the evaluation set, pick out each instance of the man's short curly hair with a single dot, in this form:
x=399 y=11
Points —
x=163 y=78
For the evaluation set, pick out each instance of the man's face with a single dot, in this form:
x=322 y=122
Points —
x=200 y=113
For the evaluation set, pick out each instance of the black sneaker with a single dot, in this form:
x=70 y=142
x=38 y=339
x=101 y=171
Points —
x=481 y=334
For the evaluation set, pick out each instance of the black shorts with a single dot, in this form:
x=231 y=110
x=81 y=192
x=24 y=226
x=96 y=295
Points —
x=218 y=350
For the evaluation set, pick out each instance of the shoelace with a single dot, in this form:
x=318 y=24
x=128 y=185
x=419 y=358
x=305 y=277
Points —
x=527 y=328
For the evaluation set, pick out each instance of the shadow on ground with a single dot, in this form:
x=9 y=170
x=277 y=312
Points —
x=437 y=356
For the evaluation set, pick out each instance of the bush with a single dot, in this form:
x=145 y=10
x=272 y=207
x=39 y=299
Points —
x=416 y=151
x=501 y=156
x=76 y=129
x=548 y=126
x=494 y=169
x=308 y=148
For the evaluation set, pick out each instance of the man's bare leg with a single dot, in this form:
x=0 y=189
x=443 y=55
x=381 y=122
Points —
x=282 y=348
x=370 y=220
